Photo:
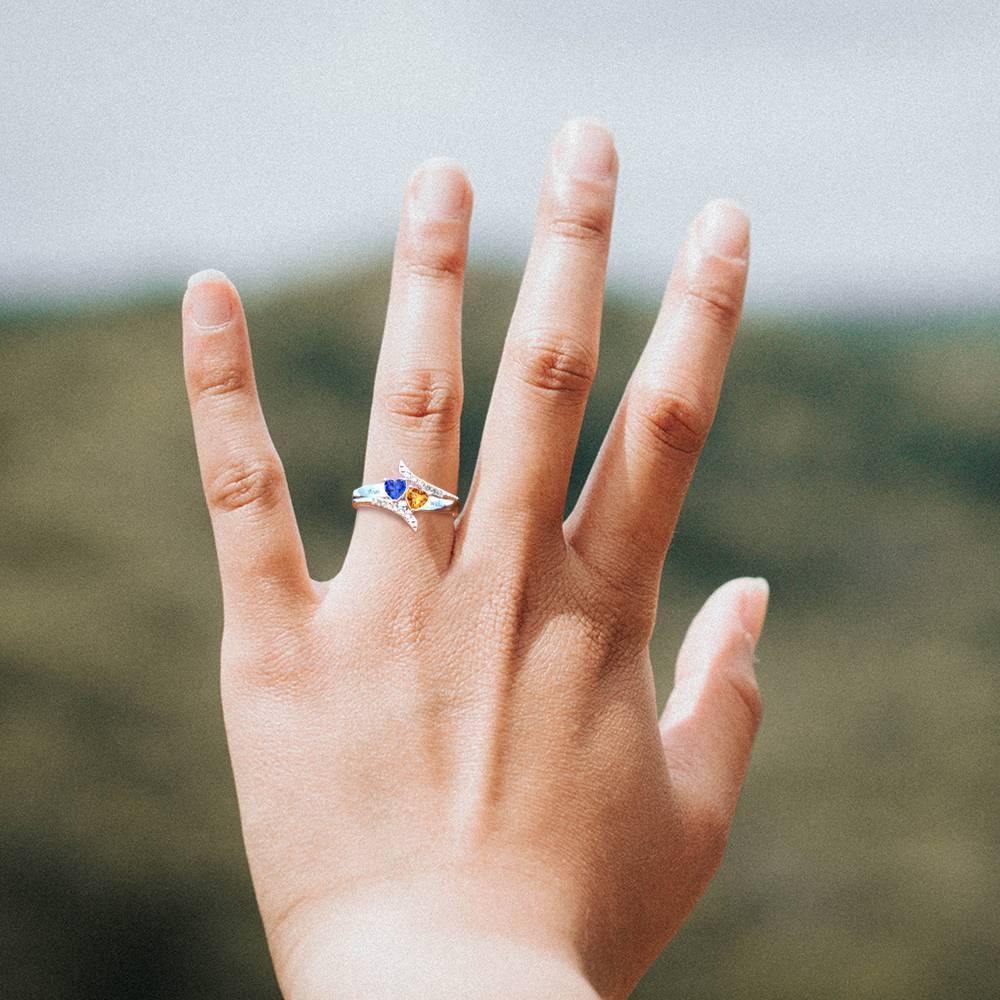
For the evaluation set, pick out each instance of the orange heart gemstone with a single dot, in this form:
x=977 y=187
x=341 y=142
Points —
x=415 y=498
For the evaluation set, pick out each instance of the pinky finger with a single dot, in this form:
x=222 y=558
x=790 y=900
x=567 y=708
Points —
x=261 y=560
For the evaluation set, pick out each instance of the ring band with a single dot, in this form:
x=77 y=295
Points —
x=405 y=496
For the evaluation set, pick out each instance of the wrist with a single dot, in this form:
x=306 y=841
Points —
x=418 y=962
x=397 y=945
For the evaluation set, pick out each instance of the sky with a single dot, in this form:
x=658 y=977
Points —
x=140 y=142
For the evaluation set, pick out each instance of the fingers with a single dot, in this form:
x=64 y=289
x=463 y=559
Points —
x=550 y=356
x=629 y=505
x=260 y=553
x=714 y=711
x=417 y=401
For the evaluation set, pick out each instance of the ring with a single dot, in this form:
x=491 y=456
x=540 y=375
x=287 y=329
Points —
x=404 y=496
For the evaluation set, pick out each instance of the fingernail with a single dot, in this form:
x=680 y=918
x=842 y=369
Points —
x=753 y=607
x=723 y=230
x=211 y=297
x=440 y=188
x=585 y=148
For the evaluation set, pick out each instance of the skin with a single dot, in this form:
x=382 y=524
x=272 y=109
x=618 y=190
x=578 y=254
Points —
x=460 y=787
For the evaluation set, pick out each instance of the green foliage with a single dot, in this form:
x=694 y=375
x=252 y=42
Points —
x=853 y=464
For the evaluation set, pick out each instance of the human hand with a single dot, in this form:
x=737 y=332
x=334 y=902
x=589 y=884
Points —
x=451 y=777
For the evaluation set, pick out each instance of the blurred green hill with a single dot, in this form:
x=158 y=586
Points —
x=853 y=463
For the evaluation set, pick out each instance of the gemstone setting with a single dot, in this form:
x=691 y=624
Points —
x=404 y=496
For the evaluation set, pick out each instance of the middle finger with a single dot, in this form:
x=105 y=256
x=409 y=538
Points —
x=550 y=355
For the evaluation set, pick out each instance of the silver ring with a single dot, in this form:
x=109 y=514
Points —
x=405 y=496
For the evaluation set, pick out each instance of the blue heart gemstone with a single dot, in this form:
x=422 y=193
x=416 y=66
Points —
x=395 y=488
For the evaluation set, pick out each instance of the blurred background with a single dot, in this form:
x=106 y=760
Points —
x=854 y=462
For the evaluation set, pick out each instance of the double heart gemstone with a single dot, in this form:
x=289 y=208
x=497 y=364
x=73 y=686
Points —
x=396 y=488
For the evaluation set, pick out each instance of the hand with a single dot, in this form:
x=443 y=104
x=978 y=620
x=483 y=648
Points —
x=451 y=777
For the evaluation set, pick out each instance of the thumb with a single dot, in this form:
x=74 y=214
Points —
x=714 y=710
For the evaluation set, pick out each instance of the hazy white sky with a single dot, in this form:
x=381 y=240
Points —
x=147 y=140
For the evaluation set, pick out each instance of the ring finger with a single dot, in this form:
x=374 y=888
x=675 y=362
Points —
x=417 y=399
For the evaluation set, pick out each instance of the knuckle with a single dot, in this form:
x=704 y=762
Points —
x=258 y=656
x=616 y=639
x=676 y=421
x=711 y=822
x=426 y=398
x=217 y=376
x=555 y=364
x=714 y=300
x=616 y=594
x=589 y=225
x=245 y=483
x=434 y=257
x=746 y=691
